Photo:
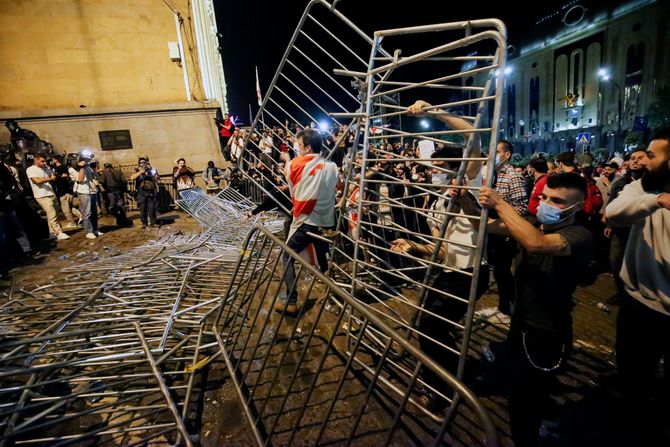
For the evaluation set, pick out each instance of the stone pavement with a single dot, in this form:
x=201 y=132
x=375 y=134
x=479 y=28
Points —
x=588 y=410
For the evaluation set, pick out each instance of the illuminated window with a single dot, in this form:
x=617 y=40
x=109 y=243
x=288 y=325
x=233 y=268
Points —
x=633 y=80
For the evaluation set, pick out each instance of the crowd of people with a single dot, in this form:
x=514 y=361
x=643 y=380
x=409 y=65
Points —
x=551 y=221
x=552 y=224
x=71 y=191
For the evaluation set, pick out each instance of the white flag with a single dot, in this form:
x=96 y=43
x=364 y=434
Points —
x=258 y=89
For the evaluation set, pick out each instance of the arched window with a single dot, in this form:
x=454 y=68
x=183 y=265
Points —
x=511 y=107
x=633 y=80
x=576 y=70
x=534 y=103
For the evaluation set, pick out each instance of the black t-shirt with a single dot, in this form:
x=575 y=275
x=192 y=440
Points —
x=545 y=282
x=63 y=184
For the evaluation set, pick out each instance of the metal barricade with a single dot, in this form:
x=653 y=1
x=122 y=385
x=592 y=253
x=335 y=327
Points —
x=307 y=86
x=300 y=380
x=410 y=249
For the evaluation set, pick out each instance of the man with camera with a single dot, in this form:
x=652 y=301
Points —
x=146 y=187
x=86 y=189
x=41 y=178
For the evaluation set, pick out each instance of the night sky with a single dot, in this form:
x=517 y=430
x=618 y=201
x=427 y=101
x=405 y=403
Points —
x=255 y=33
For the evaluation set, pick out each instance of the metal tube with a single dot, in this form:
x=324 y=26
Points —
x=164 y=390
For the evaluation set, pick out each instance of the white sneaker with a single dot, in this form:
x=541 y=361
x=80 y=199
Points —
x=99 y=233
x=62 y=236
x=91 y=236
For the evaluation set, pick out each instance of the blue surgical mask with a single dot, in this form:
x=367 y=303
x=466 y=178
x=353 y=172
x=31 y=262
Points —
x=551 y=215
x=498 y=161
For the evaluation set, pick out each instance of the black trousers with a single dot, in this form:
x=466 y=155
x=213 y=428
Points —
x=536 y=357
x=642 y=340
x=431 y=326
x=298 y=242
x=117 y=207
x=146 y=200
x=501 y=253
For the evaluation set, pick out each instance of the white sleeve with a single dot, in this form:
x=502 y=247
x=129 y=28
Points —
x=632 y=205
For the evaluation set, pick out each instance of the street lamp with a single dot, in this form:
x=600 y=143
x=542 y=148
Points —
x=606 y=77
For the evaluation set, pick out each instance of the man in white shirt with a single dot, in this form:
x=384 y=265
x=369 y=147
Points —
x=643 y=322
x=311 y=180
x=88 y=197
x=40 y=181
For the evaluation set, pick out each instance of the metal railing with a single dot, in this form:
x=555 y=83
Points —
x=302 y=382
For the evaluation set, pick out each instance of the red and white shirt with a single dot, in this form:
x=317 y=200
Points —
x=312 y=181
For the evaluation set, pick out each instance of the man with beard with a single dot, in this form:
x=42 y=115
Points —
x=619 y=235
x=643 y=323
x=604 y=183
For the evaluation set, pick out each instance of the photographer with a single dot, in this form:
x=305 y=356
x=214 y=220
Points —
x=63 y=185
x=146 y=186
x=41 y=178
x=183 y=176
x=212 y=177
x=86 y=189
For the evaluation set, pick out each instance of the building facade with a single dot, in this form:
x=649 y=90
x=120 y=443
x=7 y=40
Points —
x=74 y=68
x=586 y=68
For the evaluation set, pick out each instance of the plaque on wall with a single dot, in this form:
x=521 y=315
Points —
x=112 y=140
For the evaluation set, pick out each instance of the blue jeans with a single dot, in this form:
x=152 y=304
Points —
x=88 y=206
x=298 y=242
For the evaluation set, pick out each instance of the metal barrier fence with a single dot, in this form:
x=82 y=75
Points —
x=307 y=84
x=409 y=246
x=412 y=230
x=166 y=191
x=111 y=356
x=302 y=379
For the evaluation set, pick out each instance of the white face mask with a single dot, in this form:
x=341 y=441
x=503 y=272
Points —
x=499 y=161
x=442 y=178
x=415 y=177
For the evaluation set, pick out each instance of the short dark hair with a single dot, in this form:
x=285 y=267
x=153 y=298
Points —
x=507 y=146
x=142 y=158
x=311 y=138
x=447 y=152
x=662 y=133
x=181 y=159
x=567 y=158
x=638 y=149
x=539 y=164
x=40 y=156
x=568 y=180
